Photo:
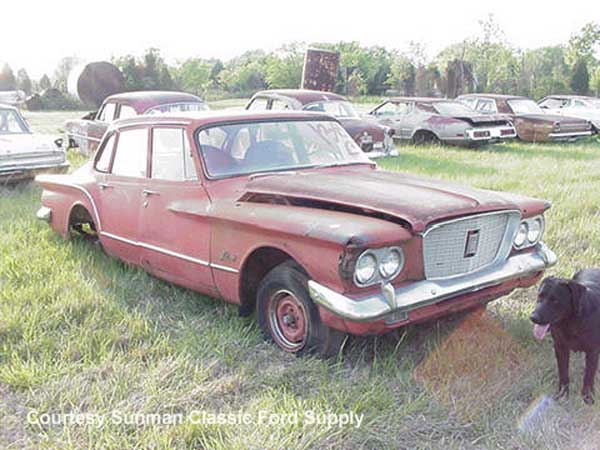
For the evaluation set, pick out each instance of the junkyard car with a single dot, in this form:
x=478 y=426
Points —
x=431 y=120
x=282 y=213
x=374 y=139
x=23 y=154
x=587 y=108
x=87 y=132
x=532 y=124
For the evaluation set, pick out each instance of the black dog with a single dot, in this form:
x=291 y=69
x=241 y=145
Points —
x=570 y=309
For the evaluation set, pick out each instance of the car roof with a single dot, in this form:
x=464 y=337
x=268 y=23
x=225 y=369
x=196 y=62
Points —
x=567 y=96
x=419 y=99
x=6 y=106
x=304 y=96
x=141 y=101
x=202 y=118
x=495 y=96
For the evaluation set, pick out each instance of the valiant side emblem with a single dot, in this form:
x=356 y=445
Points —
x=471 y=243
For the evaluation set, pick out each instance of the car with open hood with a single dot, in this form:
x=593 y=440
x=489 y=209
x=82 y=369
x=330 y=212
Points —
x=432 y=120
x=283 y=214
x=86 y=133
x=374 y=139
x=580 y=106
x=24 y=154
x=533 y=124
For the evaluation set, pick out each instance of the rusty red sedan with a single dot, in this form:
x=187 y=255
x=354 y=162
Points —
x=283 y=214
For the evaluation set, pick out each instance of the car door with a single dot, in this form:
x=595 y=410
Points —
x=174 y=224
x=391 y=114
x=119 y=191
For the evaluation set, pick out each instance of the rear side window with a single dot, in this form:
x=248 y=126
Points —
x=131 y=153
x=171 y=155
x=127 y=112
x=103 y=162
x=258 y=104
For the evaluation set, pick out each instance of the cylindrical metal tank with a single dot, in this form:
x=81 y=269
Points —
x=93 y=82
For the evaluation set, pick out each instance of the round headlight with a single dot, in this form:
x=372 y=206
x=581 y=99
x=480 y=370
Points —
x=535 y=230
x=521 y=236
x=366 y=266
x=391 y=263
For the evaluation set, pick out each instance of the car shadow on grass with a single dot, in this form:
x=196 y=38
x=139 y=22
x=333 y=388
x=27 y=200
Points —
x=433 y=166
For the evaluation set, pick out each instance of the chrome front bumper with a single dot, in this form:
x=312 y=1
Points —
x=568 y=135
x=426 y=292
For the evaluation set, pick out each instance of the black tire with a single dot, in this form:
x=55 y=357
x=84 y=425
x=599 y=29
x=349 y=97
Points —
x=425 y=138
x=286 y=286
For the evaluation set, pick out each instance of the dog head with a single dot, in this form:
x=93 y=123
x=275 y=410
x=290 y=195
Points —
x=558 y=299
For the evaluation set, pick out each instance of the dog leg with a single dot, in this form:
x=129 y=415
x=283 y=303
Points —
x=562 y=358
x=591 y=366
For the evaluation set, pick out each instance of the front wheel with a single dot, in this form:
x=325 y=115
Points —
x=288 y=317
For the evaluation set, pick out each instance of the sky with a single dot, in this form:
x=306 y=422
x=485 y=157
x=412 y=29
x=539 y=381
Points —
x=45 y=31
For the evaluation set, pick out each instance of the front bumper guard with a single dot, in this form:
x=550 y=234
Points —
x=426 y=292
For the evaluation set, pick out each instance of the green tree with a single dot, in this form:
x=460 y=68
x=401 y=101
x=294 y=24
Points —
x=194 y=76
x=543 y=71
x=44 y=83
x=580 y=80
x=132 y=72
x=8 y=81
x=402 y=75
x=245 y=74
x=62 y=71
x=595 y=83
x=24 y=82
x=283 y=68
x=584 y=44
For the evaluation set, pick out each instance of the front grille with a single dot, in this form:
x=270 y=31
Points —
x=447 y=252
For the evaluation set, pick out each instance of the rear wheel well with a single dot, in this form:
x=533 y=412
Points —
x=81 y=222
x=260 y=262
x=425 y=137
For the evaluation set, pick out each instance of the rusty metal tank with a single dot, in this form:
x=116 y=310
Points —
x=93 y=82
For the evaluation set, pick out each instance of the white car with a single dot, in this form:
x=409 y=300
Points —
x=579 y=106
x=24 y=154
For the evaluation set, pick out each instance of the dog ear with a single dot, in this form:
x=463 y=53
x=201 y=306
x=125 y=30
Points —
x=577 y=291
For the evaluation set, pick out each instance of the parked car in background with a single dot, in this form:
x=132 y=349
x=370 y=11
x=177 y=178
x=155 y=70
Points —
x=374 y=139
x=87 y=132
x=531 y=122
x=433 y=120
x=13 y=98
x=282 y=213
x=24 y=154
x=587 y=108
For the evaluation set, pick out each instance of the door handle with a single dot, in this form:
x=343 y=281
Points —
x=148 y=193
x=104 y=186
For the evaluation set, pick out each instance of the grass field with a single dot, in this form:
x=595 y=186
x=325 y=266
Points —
x=81 y=332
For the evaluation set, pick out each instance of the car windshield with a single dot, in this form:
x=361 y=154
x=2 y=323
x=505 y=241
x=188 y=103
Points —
x=525 y=106
x=281 y=145
x=11 y=122
x=177 y=108
x=452 y=109
x=335 y=108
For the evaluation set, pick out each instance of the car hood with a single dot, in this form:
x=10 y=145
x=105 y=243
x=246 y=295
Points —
x=356 y=126
x=26 y=143
x=415 y=201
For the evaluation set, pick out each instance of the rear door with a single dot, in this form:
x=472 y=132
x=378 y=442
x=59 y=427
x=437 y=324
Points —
x=119 y=192
x=174 y=226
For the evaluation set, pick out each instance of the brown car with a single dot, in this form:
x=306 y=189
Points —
x=531 y=122
x=373 y=138
x=86 y=133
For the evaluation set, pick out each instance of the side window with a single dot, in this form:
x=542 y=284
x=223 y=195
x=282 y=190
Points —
x=103 y=161
x=391 y=109
x=108 y=112
x=278 y=105
x=131 y=153
x=171 y=155
x=469 y=101
x=578 y=104
x=126 y=112
x=258 y=104
x=486 y=106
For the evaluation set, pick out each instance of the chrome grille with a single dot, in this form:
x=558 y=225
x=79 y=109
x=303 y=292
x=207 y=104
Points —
x=445 y=251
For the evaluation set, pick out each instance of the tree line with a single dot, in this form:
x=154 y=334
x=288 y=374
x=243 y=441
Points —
x=483 y=63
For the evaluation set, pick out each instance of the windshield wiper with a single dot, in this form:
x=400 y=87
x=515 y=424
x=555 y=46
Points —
x=343 y=163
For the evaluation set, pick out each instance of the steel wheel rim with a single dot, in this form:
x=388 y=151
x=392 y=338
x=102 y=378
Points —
x=287 y=320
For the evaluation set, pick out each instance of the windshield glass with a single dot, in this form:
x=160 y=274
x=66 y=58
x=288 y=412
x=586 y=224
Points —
x=255 y=147
x=452 y=109
x=11 y=122
x=177 y=108
x=525 y=106
x=335 y=108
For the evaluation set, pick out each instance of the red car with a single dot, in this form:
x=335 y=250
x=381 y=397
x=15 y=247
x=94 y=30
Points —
x=86 y=133
x=374 y=139
x=282 y=213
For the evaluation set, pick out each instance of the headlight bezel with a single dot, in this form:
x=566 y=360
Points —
x=379 y=275
x=528 y=224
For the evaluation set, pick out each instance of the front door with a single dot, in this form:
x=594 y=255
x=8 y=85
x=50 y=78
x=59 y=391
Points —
x=174 y=226
x=119 y=192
